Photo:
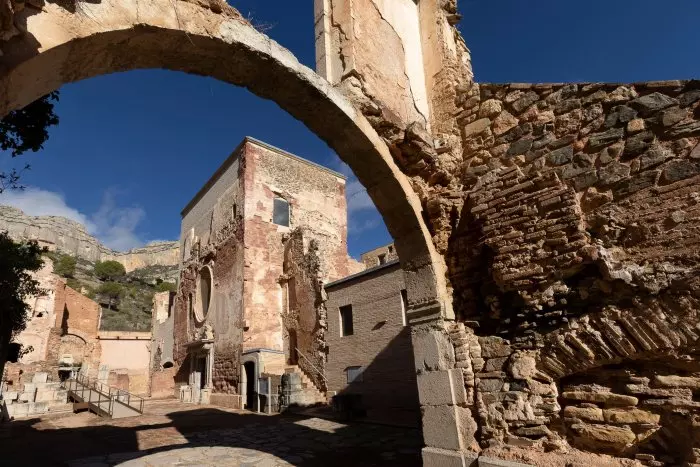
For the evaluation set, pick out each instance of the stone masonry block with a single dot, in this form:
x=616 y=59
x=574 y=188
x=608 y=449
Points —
x=440 y=427
x=442 y=388
x=40 y=377
x=449 y=427
x=432 y=350
x=433 y=457
x=492 y=462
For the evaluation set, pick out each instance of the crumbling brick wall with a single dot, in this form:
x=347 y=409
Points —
x=305 y=314
x=572 y=247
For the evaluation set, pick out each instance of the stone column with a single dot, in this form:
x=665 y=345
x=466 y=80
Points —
x=448 y=425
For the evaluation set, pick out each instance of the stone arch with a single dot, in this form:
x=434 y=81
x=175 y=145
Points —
x=74 y=345
x=625 y=378
x=614 y=335
x=62 y=44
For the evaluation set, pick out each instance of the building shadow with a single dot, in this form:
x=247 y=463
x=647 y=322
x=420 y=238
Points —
x=290 y=438
x=387 y=391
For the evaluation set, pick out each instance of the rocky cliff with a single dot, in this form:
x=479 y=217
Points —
x=67 y=236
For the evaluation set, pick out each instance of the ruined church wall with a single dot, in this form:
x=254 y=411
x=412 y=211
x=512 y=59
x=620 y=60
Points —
x=40 y=315
x=304 y=318
x=566 y=216
x=576 y=244
x=316 y=197
x=211 y=237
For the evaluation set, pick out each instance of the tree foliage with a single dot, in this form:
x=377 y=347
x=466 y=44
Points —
x=17 y=261
x=64 y=265
x=111 y=292
x=109 y=270
x=26 y=130
x=166 y=287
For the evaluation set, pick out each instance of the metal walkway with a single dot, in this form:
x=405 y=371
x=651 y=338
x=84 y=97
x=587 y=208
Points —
x=102 y=399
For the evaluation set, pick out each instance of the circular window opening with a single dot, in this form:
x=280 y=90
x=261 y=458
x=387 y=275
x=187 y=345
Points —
x=168 y=365
x=204 y=295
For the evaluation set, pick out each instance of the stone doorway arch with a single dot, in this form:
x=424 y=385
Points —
x=69 y=41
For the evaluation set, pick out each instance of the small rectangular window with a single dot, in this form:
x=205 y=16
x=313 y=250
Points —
x=404 y=306
x=280 y=212
x=346 y=328
x=354 y=374
x=382 y=258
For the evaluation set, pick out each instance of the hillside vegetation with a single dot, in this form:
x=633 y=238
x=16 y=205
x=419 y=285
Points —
x=126 y=298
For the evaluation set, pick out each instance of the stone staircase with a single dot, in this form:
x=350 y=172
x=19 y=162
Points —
x=303 y=391
x=39 y=397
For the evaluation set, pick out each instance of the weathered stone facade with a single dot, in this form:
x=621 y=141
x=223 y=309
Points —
x=565 y=216
x=62 y=329
x=564 y=213
x=254 y=259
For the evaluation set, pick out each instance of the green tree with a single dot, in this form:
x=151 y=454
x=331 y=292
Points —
x=65 y=266
x=166 y=287
x=26 y=130
x=17 y=261
x=111 y=292
x=109 y=270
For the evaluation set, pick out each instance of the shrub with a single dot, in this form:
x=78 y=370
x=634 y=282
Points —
x=166 y=287
x=64 y=265
x=109 y=270
x=111 y=292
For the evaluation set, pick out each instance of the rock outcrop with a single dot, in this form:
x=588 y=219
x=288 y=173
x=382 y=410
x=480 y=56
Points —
x=67 y=236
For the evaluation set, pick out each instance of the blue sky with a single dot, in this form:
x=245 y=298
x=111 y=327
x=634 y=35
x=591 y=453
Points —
x=133 y=148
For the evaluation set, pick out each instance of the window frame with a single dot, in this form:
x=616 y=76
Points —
x=359 y=376
x=342 y=320
x=275 y=203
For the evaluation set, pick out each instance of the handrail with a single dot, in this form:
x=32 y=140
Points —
x=312 y=365
x=113 y=394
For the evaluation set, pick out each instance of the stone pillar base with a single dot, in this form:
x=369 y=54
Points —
x=435 y=457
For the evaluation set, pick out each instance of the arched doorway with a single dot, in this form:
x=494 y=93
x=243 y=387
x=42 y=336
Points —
x=61 y=46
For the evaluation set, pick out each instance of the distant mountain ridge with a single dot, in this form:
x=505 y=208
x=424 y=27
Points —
x=68 y=236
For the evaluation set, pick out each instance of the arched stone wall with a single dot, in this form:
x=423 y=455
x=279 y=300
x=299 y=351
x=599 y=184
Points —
x=66 y=42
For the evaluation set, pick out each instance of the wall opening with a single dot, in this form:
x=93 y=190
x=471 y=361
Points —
x=346 y=324
x=280 y=212
x=204 y=288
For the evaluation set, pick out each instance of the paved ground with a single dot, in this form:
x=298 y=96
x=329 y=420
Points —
x=171 y=433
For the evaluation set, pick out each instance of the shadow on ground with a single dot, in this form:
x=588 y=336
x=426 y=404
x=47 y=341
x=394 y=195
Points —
x=171 y=433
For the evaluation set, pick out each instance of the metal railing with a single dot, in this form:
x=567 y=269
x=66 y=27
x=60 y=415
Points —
x=320 y=373
x=105 y=393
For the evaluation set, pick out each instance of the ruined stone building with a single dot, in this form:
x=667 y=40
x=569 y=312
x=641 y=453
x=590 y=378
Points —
x=162 y=367
x=257 y=242
x=267 y=288
x=63 y=339
x=547 y=232
x=382 y=255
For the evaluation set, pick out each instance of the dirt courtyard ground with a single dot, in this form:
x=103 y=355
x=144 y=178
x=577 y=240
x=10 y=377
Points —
x=172 y=433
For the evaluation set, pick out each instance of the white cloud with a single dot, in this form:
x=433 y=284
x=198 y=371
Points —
x=38 y=202
x=114 y=226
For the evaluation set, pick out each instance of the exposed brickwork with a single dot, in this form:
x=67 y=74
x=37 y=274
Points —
x=380 y=344
x=305 y=317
